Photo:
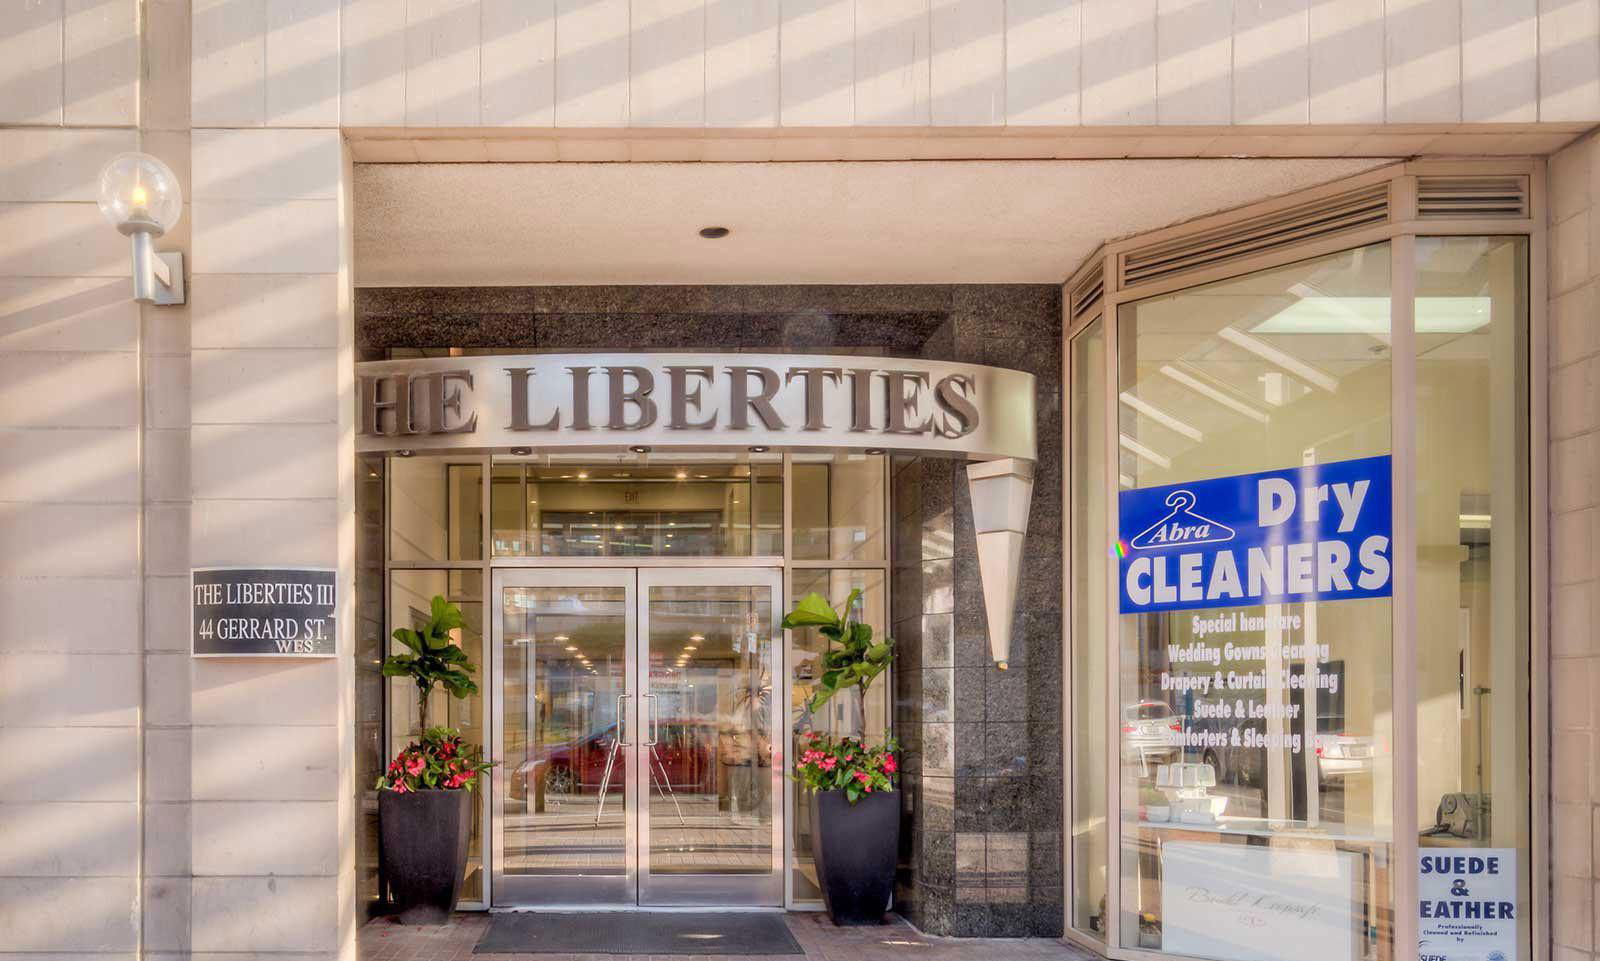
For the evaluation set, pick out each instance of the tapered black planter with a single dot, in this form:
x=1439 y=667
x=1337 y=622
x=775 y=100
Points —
x=855 y=846
x=424 y=851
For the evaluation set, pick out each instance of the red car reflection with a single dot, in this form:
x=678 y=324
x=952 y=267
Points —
x=686 y=753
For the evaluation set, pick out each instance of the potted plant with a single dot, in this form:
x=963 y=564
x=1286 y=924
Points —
x=855 y=812
x=425 y=794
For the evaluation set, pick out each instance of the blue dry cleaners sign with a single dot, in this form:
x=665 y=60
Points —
x=1320 y=532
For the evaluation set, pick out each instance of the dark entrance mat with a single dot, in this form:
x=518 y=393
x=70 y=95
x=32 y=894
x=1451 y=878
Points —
x=638 y=932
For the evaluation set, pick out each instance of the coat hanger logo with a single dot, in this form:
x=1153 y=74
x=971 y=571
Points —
x=1182 y=527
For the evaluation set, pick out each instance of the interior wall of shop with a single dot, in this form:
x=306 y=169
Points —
x=1574 y=397
x=981 y=849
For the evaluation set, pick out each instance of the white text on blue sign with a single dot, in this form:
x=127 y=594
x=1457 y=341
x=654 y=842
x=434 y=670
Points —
x=1315 y=533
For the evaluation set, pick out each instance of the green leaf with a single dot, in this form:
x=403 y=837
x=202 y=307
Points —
x=849 y=604
x=409 y=638
x=398 y=666
x=812 y=611
x=878 y=652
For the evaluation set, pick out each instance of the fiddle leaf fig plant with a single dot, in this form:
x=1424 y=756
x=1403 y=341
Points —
x=433 y=660
x=854 y=658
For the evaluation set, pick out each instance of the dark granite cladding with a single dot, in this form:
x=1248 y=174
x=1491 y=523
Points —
x=981 y=844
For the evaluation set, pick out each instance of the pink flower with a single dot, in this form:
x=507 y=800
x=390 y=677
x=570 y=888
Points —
x=447 y=749
x=864 y=778
x=414 y=765
x=400 y=788
x=888 y=764
x=456 y=781
x=827 y=763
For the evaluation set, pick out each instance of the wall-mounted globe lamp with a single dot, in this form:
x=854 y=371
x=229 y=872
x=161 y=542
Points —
x=141 y=197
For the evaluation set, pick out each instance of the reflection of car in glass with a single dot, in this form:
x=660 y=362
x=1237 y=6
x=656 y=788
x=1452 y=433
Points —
x=1146 y=730
x=1339 y=754
x=686 y=751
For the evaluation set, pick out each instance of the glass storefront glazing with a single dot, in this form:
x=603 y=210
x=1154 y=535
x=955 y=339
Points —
x=661 y=511
x=1259 y=777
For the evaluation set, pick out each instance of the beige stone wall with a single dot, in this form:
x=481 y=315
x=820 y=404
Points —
x=154 y=804
x=94 y=491
x=951 y=63
x=1574 y=494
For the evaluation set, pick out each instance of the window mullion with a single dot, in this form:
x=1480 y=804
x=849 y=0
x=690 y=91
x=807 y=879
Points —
x=1403 y=750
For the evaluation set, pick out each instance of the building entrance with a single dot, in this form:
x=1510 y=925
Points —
x=639 y=736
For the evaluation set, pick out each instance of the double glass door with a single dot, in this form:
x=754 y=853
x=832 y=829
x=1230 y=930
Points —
x=637 y=732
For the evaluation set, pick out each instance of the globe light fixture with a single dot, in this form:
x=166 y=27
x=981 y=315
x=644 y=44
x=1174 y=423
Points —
x=141 y=197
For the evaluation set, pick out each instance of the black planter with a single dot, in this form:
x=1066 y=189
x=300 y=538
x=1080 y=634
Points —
x=855 y=846
x=424 y=851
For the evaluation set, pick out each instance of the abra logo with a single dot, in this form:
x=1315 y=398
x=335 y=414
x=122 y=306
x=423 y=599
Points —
x=1182 y=527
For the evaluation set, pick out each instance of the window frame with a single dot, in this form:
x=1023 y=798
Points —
x=1402 y=226
x=488 y=562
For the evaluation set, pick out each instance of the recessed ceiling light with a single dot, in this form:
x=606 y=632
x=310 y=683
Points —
x=572 y=647
x=683 y=475
x=714 y=233
x=522 y=451
x=640 y=449
x=584 y=475
x=758 y=449
x=875 y=450
x=697 y=638
x=405 y=453
x=562 y=637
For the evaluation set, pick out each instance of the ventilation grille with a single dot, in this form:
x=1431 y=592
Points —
x=1294 y=225
x=1445 y=197
x=1087 y=293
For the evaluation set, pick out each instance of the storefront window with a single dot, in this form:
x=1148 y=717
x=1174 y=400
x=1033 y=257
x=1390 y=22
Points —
x=1087 y=563
x=1472 y=655
x=660 y=509
x=1257 y=636
x=838 y=507
x=435 y=507
x=1256 y=777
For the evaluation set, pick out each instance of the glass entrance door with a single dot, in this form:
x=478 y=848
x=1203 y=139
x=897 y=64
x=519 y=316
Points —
x=638 y=739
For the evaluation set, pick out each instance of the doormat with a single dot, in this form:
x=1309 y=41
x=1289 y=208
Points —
x=638 y=932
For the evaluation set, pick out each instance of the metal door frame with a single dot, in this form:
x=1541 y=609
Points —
x=635 y=887
x=564 y=889
x=706 y=890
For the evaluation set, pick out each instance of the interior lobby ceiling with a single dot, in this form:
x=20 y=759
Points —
x=911 y=222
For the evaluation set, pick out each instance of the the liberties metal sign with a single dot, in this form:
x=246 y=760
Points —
x=577 y=401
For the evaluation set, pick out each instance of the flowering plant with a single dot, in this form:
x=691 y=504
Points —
x=438 y=762
x=827 y=763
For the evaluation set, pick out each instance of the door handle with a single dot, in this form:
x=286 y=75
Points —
x=622 y=727
x=655 y=721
